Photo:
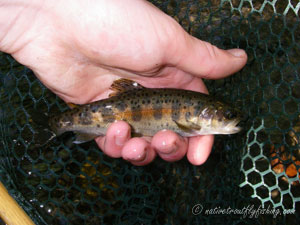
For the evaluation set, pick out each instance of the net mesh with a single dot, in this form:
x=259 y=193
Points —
x=75 y=184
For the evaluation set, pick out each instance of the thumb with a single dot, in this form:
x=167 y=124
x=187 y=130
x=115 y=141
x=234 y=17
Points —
x=204 y=60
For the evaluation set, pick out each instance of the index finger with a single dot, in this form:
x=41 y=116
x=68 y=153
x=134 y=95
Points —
x=199 y=149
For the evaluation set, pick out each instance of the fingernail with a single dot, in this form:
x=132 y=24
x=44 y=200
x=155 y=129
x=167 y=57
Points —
x=120 y=140
x=168 y=149
x=236 y=52
x=140 y=157
x=137 y=155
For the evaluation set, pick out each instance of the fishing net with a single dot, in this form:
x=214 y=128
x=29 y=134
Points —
x=255 y=169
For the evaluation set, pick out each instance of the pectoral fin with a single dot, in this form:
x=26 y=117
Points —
x=188 y=127
x=83 y=137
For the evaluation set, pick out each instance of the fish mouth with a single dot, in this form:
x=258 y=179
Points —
x=232 y=127
x=220 y=127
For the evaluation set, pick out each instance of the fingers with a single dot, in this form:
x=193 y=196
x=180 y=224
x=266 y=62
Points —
x=117 y=143
x=117 y=135
x=204 y=60
x=199 y=149
x=138 y=151
x=169 y=146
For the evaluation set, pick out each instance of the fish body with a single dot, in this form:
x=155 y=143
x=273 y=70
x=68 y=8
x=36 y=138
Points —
x=148 y=111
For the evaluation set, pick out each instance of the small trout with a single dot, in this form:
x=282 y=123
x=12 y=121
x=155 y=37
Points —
x=149 y=110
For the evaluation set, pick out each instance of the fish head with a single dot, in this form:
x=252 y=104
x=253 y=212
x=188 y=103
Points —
x=219 y=118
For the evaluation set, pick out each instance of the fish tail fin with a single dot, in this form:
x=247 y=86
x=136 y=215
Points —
x=43 y=134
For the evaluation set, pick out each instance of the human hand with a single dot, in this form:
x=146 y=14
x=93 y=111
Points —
x=78 y=48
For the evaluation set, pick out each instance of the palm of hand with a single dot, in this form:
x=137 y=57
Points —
x=79 y=57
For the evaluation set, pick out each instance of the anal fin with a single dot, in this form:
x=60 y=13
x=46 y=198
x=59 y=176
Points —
x=84 y=137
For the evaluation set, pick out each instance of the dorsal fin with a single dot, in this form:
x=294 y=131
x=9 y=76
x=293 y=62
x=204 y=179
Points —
x=122 y=85
x=72 y=105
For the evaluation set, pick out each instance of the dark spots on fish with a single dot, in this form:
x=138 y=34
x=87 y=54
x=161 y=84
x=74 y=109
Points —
x=188 y=101
x=175 y=111
x=135 y=103
x=136 y=115
x=106 y=111
x=197 y=110
x=157 y=113
x=175 y=114
x=135 y=106
x=121 y=106
x=85 y=118
x=107 y=114
x=94 y=108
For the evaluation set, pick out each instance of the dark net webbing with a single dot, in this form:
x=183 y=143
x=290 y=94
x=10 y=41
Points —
x=76 y=184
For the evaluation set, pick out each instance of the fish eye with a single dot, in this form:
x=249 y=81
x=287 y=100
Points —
x=229 y=115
